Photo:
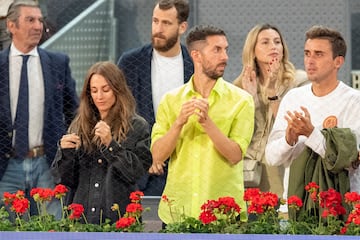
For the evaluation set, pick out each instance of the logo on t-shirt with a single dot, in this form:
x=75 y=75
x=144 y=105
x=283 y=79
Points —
x=330 y=122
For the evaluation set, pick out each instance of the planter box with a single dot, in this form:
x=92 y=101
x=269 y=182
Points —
x=161 y=236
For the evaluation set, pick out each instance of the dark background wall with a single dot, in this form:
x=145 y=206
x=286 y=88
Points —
x=236 y=17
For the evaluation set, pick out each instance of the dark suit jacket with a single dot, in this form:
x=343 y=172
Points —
x=61 y=103
x=136 y=64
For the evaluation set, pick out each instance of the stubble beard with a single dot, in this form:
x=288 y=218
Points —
x=213 y=74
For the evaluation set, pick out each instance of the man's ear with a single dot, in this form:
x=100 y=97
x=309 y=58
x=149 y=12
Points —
x=183 y=27
x=196 y=56
x=10 y=25
x=339 y=61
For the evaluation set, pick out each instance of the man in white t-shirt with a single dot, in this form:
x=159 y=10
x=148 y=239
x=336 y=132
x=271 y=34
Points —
x=156 y=68
x=325 y=103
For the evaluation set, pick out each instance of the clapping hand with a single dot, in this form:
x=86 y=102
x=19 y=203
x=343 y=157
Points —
x=273 y=69
x=299 y=123
x=248 y=81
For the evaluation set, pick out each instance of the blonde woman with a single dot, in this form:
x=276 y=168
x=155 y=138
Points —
x=267 y=75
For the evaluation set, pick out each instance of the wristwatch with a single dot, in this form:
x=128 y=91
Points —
x=273 y=98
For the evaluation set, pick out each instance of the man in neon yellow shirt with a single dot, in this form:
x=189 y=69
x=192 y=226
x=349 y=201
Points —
x=205 y=127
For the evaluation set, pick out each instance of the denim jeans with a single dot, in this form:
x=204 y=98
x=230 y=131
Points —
x=26 y=174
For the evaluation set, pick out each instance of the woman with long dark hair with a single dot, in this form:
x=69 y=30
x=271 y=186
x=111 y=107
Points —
x=107 y=146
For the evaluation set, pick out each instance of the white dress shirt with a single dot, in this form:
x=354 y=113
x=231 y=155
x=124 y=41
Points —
x=36 y=92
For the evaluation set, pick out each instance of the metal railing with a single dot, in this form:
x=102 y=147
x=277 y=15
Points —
x=88 y=38
x=355 y=79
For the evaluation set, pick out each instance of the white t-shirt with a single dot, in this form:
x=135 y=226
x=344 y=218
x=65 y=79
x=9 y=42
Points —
x=343 y=102
x=167 y=73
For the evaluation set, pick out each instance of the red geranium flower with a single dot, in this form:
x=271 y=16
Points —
x=354 y=215
x=224 y=207
x=41 y=194
x=164 y=198
x=343 y=230
x=210 y=205
x=21 y=205
x=207 y=217
x=8 y=197
x=331 y=201
x=125 y=222
x=251 y=194
x=60 y=191
x=20 y=194
x=76 y=210
x=311 y=186
x=352 y=197
x=136 y=196
x=227 y=204
x=294 y=202
x=134 y=208
x=259 y=202
x=270 y=199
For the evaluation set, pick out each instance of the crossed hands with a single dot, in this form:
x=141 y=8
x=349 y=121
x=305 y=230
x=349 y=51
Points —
x=299 y=123
x=101 y=130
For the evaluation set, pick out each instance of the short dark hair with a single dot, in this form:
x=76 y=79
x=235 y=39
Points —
x=181 y=6
x=335 y=38
x=200 y=33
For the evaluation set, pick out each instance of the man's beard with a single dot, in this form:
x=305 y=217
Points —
x=213 y=74
x=169 y=43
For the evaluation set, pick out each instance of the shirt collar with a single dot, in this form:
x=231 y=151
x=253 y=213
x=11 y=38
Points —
x=15 y=52
x=217 y=89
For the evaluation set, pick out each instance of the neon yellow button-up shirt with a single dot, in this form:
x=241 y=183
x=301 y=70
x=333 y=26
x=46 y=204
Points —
x=197 y=172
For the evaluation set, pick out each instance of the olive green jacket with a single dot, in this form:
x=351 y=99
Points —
x=328 y=172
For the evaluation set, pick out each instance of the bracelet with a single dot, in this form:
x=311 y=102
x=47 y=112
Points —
x=273 y=98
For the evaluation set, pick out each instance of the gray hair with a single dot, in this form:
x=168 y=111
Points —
x=14 y=8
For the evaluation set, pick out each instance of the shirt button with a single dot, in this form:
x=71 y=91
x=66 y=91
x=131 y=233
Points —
x=93 y=209
x=100 y=161
x=110 y=149
x=96 y=185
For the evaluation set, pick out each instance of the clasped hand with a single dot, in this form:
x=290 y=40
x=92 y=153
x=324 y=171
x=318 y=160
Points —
x=299 y=123
x=101 y=130
x=197 y=106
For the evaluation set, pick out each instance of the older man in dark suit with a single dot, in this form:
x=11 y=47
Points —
x=44 y=115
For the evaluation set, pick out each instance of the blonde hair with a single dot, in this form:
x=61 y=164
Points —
x=286 y=72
